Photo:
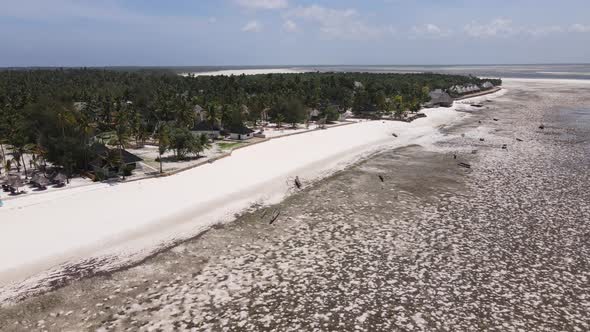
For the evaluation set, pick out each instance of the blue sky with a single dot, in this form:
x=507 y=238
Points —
x=281 y=32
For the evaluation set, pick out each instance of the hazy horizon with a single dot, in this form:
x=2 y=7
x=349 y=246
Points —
x=291 y=65
x=545 y=71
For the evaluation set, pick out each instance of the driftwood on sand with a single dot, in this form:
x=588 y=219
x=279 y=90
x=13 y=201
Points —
x=381 y=178
x=297 y=182
x=275 y=217
x=465 y=165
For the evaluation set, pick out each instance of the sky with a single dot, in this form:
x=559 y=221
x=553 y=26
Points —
x=292 y=32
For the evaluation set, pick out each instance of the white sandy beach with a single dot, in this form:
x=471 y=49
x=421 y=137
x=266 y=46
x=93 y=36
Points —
x=237 y=72
x=129 y=221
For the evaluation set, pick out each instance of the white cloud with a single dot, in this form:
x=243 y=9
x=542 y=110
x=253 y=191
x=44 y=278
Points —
x=579 y=28
x=542 y=31
x=322 y=14
x=63 y=9
x=290 y=26
x=263 y=4
x=338 y=23
x=430 y=30
x=496 y=28
x=252 y=26
x=105 y=10
x=505 y=28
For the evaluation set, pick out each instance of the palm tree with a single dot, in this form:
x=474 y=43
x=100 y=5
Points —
x=184 y=114
x=139 y=130
x=212 y=115
x=226 y=116
x=39 y=154
x=113 y=159
x=121 y=132
x=7 y=166
x=204 y=142
x=86 y=127
x=2 y=142
x=280 y=119
x=163 y=143
x=196 y=147
x=18 y=154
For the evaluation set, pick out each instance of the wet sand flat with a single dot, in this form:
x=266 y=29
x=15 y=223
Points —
x=503 y=245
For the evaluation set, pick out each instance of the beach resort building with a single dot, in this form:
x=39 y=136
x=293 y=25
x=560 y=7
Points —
x=314 y=114
x=206 y=128
x=458 y=89
x=439 y=98
x=487 y=85
x=473 y=88
x=241 y=133
x=103 y=166
x=200 y=113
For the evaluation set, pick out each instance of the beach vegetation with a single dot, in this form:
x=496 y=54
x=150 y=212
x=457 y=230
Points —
x=56 y=114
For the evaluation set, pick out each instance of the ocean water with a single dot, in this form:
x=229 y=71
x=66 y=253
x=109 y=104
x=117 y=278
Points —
x=560 y=71
x=547 y=71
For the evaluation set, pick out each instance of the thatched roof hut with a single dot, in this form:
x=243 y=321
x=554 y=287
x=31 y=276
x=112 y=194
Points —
x=440 y=98
x=42 y=181
x=487 y=85
x=60 y=178
x=14 y=181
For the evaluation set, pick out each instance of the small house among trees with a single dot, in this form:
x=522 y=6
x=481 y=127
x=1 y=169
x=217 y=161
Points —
x=206 y=128
x=241 y=133
x=200 y=113
x=111 y=162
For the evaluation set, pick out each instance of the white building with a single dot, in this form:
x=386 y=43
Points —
x=200 y=113
x=487 y=85
x=241 y=134
x=205 y=128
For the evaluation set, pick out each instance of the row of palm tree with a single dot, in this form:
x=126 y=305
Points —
x=56 y=115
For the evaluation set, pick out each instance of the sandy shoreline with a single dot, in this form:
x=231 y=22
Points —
x=238 y=72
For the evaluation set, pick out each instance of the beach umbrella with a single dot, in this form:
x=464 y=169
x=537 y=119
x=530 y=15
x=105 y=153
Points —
x=42 y=181
x=15 y=181
x=61 y=177
x=35 y=178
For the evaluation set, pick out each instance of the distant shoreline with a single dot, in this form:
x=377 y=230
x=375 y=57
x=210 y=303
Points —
x=238 y=72
x=479 y=94
x=578 y=72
